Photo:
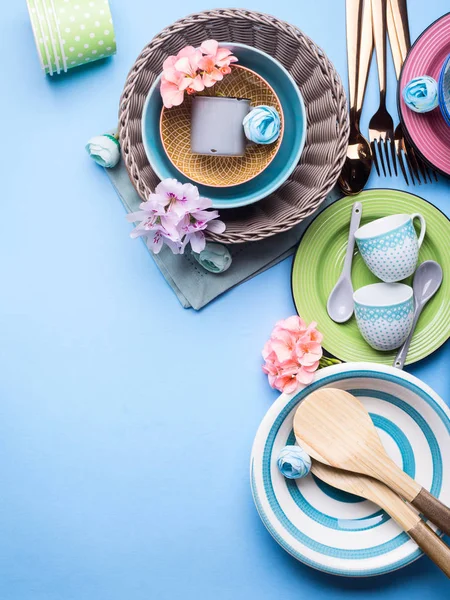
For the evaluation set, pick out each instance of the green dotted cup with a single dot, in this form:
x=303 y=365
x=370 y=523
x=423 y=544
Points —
x=70 y=33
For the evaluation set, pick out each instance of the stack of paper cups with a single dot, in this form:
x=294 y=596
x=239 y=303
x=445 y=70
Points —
x=70 y=33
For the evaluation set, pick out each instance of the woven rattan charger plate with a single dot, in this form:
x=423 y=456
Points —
x=326 y=106
x=220 y=171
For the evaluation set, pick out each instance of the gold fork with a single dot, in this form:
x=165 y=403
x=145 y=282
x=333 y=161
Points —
x=399 y=38
x=381 y=126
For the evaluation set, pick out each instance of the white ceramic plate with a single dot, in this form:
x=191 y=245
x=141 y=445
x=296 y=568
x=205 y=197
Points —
x=331 y=530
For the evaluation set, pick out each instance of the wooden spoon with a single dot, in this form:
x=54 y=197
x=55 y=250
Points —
x=335 y=428
x=400 y=511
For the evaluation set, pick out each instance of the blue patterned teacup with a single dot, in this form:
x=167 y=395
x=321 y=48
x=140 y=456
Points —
x=390 y=247
x=384 y=313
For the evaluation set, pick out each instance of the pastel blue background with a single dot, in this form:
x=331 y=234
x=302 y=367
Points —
x=126 y=422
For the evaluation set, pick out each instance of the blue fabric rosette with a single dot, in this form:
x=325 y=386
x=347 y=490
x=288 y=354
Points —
x=262 y=125
x=293 y=462
x=421 y=94
x=215 y=258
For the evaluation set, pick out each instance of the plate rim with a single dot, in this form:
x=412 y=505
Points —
x=274 y=410
x=441 y=92
x=399 y=103
x=323 y=209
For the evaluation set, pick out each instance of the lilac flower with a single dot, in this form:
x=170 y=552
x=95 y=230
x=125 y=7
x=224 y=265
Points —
x=194 y=225
x=175 y=215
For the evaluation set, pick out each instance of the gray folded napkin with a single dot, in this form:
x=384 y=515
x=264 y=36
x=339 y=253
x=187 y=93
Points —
x=194 y=286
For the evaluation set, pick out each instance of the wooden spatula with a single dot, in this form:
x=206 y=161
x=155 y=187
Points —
x=334 y=428
x=398 y=509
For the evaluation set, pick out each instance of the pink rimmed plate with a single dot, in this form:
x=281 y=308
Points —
x=428 y=133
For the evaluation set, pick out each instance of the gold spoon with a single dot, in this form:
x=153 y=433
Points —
x=400 y=511
x=335 y=428
x=358 y=163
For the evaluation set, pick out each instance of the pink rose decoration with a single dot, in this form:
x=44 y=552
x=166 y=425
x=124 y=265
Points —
x=292 y=354
x=193 y=69
x=175 y=215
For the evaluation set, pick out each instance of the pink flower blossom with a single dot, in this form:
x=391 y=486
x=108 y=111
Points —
x=222 y=57
x=171 y=91
x=210 y=73
x=171 y=60
x=292 y=354
x=216 y=62
x=175 y=215
x=193 y=69
x=188 y=66
x=179 y=73
x=194 y=225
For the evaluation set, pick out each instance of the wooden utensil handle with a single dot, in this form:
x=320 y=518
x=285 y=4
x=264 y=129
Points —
x=432 y=545
x=433 y=509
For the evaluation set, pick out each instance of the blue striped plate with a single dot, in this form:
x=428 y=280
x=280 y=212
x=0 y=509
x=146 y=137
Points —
x=331 y=530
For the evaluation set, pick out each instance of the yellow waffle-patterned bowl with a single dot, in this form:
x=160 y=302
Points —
x=220 y=171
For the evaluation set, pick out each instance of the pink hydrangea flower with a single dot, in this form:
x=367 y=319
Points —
x=180 y=73
x=216 y=62
x=175 y=215
x=193 y=69
x=222 y=57
x=171 y=91
x=210 y=72
x=188 y=66
x=292 y=354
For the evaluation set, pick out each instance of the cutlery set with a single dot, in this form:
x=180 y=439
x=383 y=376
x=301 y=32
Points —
x=336 y=430
x=400 y=42
x=381 y=125
x=369 y=22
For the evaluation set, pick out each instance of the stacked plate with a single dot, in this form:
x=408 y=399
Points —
x=70 y=33
x=299 y=175
x=169 y=153
x=429 y=133
x=334 y=531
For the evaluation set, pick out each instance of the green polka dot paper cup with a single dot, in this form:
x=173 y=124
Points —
x=70 y=33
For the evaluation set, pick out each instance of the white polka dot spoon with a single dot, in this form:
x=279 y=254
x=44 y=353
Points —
x=427 y=281
x=335 y=428
x=340 y=303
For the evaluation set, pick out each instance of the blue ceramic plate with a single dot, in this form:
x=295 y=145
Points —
x=444 y=90
x=286 y=158
x=334 y=531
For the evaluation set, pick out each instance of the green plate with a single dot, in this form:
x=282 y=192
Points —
x=320 y=258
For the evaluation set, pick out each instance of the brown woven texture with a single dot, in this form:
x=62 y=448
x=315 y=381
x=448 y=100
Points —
x=326 y=107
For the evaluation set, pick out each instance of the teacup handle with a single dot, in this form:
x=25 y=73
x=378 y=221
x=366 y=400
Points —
x=423 y=226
